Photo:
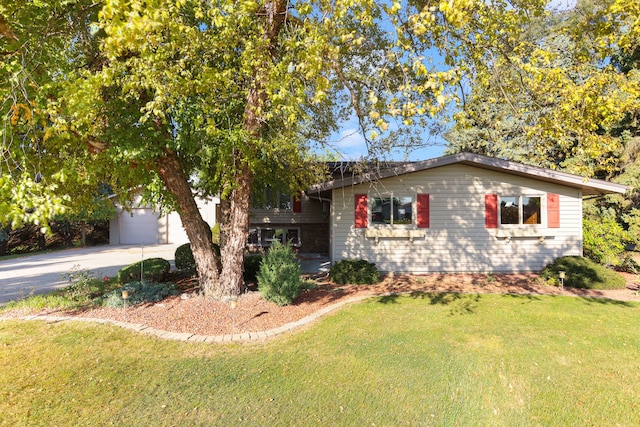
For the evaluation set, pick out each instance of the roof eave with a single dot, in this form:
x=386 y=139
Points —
x=588 y=186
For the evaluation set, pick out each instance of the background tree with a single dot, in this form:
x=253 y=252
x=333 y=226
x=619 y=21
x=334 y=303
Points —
x=550 y=87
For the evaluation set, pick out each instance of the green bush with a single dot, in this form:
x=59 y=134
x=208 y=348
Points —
x=355 y=271
x=628 y=264
x=184 y=257
x=153 y=269
x=604 y=240
x=139 y=292
x=185 y=262
x=279 y=275
x=251 y=267
x=583 y=273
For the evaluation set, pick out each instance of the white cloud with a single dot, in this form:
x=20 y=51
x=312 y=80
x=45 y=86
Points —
x=350 y=138
x=349 y=144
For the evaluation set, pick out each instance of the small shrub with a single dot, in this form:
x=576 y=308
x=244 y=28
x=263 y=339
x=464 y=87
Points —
x=309 y=285
x=251 y=267
x=83 y=282
x=628 y=264
x=583 y=273
x=354 y=271
x=139 y=292
x=153 y=269
x=279 y=275
x=184 y=257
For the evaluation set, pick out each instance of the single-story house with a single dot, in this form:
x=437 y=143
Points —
x=457 y=213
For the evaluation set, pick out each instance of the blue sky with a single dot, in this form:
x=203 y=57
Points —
x=351 y=145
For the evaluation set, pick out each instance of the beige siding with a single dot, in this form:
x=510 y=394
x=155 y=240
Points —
x=174 y=232
x=457 y=240
x=311 y=212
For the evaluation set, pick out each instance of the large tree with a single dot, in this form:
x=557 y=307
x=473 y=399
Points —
x=183 y=95
x=549 y=91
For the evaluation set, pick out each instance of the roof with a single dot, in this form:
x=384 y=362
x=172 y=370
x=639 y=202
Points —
x=588 y=186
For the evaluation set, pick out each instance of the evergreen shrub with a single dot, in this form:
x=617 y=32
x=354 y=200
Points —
x=354 y=271
x=139 y=292
x=153 y=269
x=279 y=276
x=583 y=273
x=184 y=257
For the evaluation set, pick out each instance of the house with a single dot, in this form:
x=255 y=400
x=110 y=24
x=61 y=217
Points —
x=458 y=213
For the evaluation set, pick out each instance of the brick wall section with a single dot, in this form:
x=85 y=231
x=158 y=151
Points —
x=314 y=237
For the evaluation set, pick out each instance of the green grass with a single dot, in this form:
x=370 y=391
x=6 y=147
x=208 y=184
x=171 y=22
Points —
x=440 y=359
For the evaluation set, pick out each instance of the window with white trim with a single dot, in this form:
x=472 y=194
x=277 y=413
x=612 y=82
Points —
x=272 y=199
x=393 y=210
x=264 y=236
x=520 y=210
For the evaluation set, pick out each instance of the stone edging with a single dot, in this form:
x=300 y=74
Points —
x=185 y=336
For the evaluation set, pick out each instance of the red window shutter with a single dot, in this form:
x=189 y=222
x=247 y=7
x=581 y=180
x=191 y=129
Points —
x=361 y=211
x=553 y=210
x=423 y=211
x=491 y=210
x=297 y=204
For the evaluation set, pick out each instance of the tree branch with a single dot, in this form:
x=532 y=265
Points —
x=355 y=103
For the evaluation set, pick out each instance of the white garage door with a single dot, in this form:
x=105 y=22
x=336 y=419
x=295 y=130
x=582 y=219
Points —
x=141 y=228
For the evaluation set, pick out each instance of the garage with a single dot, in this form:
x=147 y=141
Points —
x=138 y=227
x=142 y=225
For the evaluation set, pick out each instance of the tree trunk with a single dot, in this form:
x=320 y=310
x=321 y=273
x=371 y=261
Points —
x=42 y=242
x=197 y=229
x=235 y=235
x=236 y=209
x=83 y=233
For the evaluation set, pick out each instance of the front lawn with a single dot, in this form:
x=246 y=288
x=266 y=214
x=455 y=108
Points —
x=430 y=359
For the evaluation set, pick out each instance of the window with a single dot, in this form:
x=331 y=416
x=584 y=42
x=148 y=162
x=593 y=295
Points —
x=392 y=210
x=520 y=210
x=271 y=199
x=266 y=236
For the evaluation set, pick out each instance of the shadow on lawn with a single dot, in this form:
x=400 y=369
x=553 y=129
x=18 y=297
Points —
x=602 y=300
x=460 y=303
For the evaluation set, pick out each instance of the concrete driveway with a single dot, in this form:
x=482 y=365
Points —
x=37 y=274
